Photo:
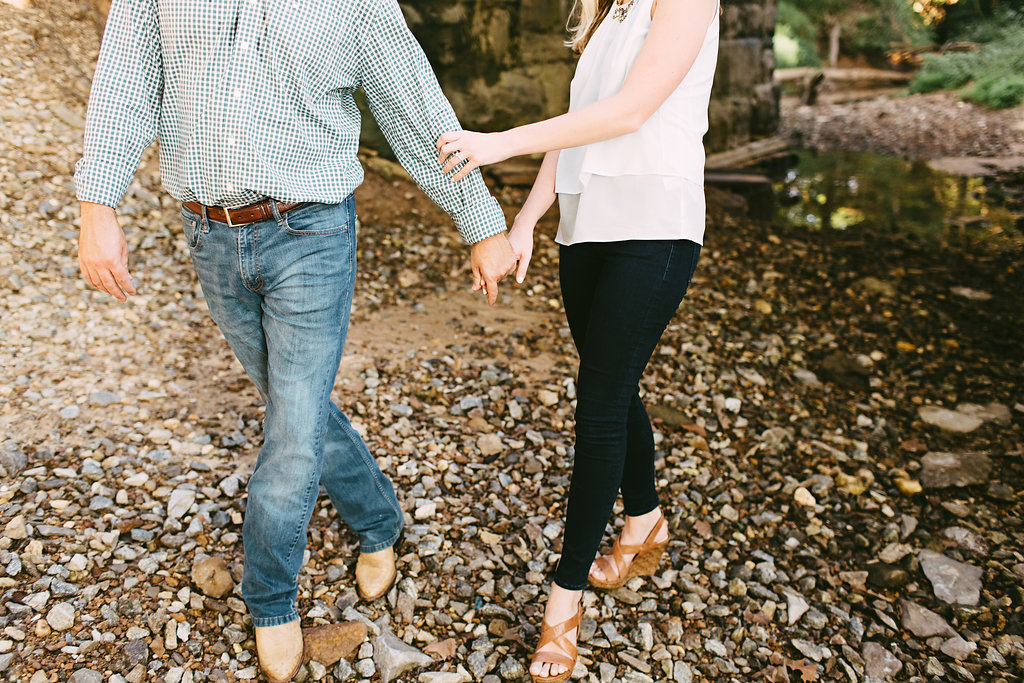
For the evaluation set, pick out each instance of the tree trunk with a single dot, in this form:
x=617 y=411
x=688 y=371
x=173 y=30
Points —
x=833 y=43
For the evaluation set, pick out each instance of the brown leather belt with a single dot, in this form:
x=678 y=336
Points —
x=243 y=215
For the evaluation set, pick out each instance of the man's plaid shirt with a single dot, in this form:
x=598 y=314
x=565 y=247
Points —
x=254 y=99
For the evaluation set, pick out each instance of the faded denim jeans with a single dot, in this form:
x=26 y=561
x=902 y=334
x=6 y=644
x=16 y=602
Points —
x=281 y=291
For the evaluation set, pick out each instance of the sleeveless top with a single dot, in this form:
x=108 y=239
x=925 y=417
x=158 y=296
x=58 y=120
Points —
x=648 y=184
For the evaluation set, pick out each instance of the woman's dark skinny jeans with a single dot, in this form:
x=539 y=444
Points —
x=619 y=297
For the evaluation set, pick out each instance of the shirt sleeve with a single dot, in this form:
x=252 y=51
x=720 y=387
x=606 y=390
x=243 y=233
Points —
x=124 y=104
x=406 y=100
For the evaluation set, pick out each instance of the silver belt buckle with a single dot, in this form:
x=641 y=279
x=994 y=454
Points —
x=227 y=215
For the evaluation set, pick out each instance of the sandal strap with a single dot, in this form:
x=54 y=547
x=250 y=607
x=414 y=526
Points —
x=614 y=565
x=556 y=635
x=549 y=657
x=649 y=542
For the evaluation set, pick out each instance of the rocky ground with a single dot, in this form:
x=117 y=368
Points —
x=919 y=126
x=840 y=422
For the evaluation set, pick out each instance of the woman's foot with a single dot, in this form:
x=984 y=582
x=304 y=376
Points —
x=563 y=606
x=635 y=533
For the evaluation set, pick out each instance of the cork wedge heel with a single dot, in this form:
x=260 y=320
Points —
x=646 y=558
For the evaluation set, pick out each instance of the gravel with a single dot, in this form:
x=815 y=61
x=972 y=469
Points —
x=791 y=447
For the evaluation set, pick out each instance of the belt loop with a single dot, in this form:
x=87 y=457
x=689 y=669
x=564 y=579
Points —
x=206 y=219
x=277 y=214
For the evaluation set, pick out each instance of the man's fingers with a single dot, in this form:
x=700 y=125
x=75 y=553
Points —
x=124 y=280
x=89 y=275
x=109 y=285
x=492 y=291
x=478 y=281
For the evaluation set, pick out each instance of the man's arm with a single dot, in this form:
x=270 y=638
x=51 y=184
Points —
x=406 y=100
x=122 y=121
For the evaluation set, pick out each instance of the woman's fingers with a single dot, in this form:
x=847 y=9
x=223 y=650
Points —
x=446 y=150
x=445 y=138
x=452 y=161
x=451 y=147
x=524 y=265
x=468 y=168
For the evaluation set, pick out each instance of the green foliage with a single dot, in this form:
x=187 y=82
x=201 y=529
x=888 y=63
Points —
x=944 y=72
x=795 y=38
x=869 y=28
x=994 y=73
x=895 y=24
x=997 y=91
x=974 y=19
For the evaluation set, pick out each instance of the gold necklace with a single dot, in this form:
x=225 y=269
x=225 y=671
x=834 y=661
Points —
x=622 y=11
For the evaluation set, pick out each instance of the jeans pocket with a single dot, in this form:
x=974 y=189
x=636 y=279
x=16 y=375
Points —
x=192 y=225
x=318 y=220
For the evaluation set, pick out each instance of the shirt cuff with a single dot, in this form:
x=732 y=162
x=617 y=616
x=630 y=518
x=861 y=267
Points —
x=99 y=185
x=480 y=221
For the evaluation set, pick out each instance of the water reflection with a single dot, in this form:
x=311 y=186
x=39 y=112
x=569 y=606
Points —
x=850 y=190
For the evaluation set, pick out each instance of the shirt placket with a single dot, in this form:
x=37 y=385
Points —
x=239 y=83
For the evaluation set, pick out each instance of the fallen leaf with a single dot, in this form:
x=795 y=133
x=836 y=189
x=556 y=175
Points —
x=512 y=635
x=808 y=670
x=442 y=649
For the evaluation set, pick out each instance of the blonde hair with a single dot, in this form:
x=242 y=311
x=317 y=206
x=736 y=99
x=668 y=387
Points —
x=584 y=19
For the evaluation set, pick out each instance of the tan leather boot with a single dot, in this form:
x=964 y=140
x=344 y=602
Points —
x=279 y=649
x=375 y=574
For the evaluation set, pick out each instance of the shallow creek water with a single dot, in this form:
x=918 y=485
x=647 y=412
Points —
x=852 y=190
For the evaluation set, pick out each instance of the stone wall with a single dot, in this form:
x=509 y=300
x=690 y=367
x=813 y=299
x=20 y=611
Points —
x=502 y=63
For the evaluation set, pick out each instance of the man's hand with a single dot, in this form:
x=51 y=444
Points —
x=103 y=252
x=491 y=260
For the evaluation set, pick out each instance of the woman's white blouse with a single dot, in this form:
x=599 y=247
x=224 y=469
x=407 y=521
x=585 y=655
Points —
x=648 y=184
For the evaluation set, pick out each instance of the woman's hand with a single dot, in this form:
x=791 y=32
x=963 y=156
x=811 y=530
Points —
x=471 y=150
x=520 y=236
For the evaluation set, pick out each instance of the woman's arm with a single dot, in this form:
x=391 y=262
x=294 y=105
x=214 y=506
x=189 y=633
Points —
x=676 y=36
x=542 y=196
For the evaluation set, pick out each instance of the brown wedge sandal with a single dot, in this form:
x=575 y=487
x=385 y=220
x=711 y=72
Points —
x=557 y=635
x=644 y=563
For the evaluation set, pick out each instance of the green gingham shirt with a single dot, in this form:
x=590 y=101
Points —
x=254 y=99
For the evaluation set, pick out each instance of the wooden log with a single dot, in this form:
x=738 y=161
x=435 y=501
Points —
x=725 y=179
x=801 y=73
x=811 y=85
x=748 y=153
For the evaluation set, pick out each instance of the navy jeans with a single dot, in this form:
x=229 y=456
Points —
x=281 y=291
x=618 y=297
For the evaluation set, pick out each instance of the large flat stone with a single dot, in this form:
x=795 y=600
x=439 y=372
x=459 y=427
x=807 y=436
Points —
x=923 y=622
x=954 y=582
x=939 y=470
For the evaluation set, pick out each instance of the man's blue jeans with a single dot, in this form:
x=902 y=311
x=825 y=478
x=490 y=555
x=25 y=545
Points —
x=281 y=291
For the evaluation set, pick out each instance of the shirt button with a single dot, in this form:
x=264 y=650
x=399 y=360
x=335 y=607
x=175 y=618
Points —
x=232 y=141
x=237 y=94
